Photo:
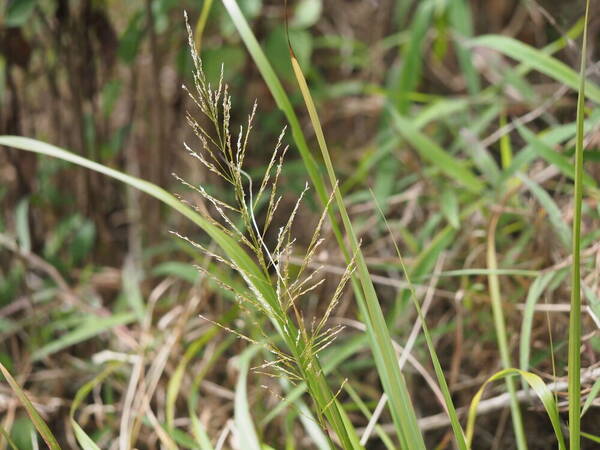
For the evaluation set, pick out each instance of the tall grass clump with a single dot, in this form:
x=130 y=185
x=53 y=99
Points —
x=276 y=297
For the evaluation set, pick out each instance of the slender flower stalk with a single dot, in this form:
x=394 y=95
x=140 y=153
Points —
x=575 y=315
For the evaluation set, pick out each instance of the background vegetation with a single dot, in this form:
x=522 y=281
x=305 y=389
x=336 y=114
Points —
x=454 y=120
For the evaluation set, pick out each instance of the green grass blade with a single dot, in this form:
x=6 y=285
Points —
x=591 y=437
x=506 y=151
x=200 y=434
x=591 y=396
x=459 y=435
x=535 y=291
x=243 y=418
x=6 y=436
x=482 y=159
x=459 y=12
x=412 y=58
x=539 y=60
x=439 y=110
x=541 y=390
x=463 y=272
x=89 y=327
x=554 y=213
x=385 y=358
x=22 y=225
x=176 y=379
x=575 y=313
x=332 y=359
x=82 y=437
x=334 y=412
x=196 y=427
x=552 y=156
x=501 y=335
x=37 y=420
x=201 y=24
x=450 y=207
x=364 y=409
x=592 y=299
x=284 y=104
x=311 y=426
x=432 y=152
x=311 y=167
x=551 y=137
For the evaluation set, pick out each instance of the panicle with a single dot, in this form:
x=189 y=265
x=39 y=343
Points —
x=223 y=154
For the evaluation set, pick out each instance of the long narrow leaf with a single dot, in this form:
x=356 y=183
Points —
x=6 y=436
x=89 y=328
x=538 y=60
x=575 y=314
x=501 y=335
x=439 y=372
x=552 y=209
x=591 y=437
x=591 y=396
x=176 y=379
x=82 y=437
x=412 y=58
x=459 y=12
x=535 y=291
x=541 y=390
x=243 y=418
x=552 y=156
x=433 y=153
x=229 y=245
x=385 y=358
x=35 y=417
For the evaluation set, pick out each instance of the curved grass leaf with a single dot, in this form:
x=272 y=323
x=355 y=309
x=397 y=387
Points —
x=541 y=390
x=176 y=379
x=591 y=397
x=22 y=225
x=549 y=205
x=379 y=343
x=552 y=156
x=229 y=245
x=535 y=291
x=88 y=328
x=35 y=417
x=243 y=418
x=459 y=14
x=432 y=152
x=201 y=24
x=501 y=334
x=82 y=437
x=538 y=60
